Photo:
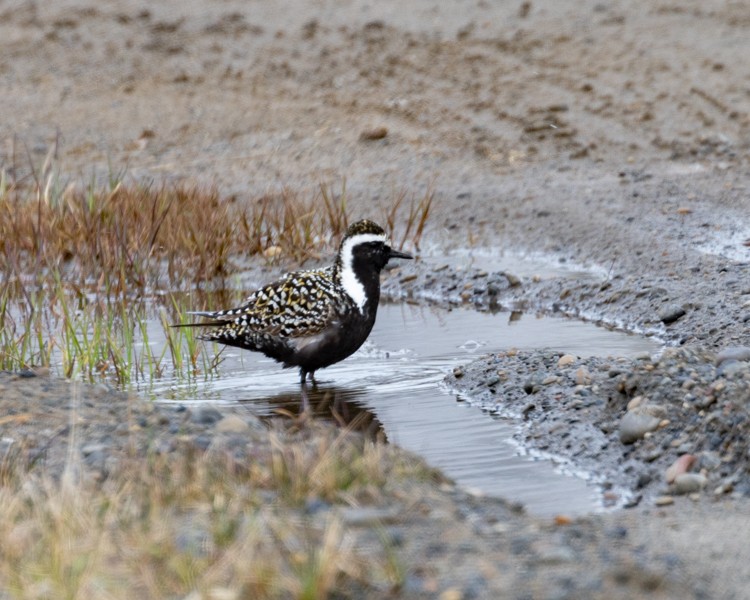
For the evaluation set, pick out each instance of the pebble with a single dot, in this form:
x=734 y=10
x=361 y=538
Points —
x=513 y=280
x=368 y=516
x=636 y=424
x=232 y=424
x=709 y=460
x=687 y=483
x=555 y=555
x=664 y=501
x=635 y=402
x=738 y=353
x=565 y=360
x=671 y=313
x=202 y=441
x=680 y=466
x=373 y=133
x=204 y=415
x=583 y=377
x=724 y=488
x=93 y=448
x=730 y=368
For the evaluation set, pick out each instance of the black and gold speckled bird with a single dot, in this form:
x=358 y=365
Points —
x=312 y=319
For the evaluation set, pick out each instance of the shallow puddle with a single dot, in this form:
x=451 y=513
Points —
x=393 y=385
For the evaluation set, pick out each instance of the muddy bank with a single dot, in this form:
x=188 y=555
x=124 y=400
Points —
x=636 y=425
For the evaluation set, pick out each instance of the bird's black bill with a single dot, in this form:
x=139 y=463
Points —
x=397 y=254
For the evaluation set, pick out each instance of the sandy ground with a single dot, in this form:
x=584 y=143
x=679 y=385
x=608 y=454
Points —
x=609 y=134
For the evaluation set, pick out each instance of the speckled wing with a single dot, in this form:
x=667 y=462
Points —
x=298 y=305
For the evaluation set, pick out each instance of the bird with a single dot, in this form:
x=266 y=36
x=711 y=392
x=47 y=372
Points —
x=313 y=318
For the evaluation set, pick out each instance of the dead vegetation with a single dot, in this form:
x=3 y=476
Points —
x=199 y=525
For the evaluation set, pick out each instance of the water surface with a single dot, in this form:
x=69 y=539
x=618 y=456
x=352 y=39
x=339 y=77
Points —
x=393 y=385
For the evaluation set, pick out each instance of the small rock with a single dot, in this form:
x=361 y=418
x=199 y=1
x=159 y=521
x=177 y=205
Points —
x=232 y=424
x=708 y=460
x=565 y=360
x=583 y=377
x=724 y=488
x=739 y=353
x=635 y=402
x=730 y=368
x=555 y=555
x=513 y=280
x=664 y=501
x=374 y=133
x=636 y=424
x=204 y=415
x=671 y=313
x=680 y=466
x=93 y=448
x=369 y=516
x=687 y=483
x=202 y=442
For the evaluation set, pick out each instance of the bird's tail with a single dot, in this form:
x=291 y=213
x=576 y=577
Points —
x=199 y=313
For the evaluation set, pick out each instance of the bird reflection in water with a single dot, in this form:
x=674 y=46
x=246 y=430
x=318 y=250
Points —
x=332 y=403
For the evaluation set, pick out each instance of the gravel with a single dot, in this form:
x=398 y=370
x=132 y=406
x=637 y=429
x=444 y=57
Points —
x=633 y=419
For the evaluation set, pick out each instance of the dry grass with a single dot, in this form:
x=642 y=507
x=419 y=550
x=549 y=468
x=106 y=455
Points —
x=134 y=239
x=202 y=524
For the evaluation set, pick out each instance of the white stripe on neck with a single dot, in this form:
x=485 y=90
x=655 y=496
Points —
x=352 y=285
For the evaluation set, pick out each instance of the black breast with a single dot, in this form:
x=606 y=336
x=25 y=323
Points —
x=342 y=338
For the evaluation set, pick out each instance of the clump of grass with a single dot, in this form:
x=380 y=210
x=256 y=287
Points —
x=127 y=239
x=24 y=339
x=186 y=522
x=93 y=339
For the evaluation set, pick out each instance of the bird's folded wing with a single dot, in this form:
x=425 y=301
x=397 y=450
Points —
x=298 y=305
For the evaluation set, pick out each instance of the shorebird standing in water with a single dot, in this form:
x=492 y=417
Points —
x=315 y=318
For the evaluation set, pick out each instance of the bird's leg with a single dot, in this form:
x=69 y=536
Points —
x=303 y=394
x=305 y=401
